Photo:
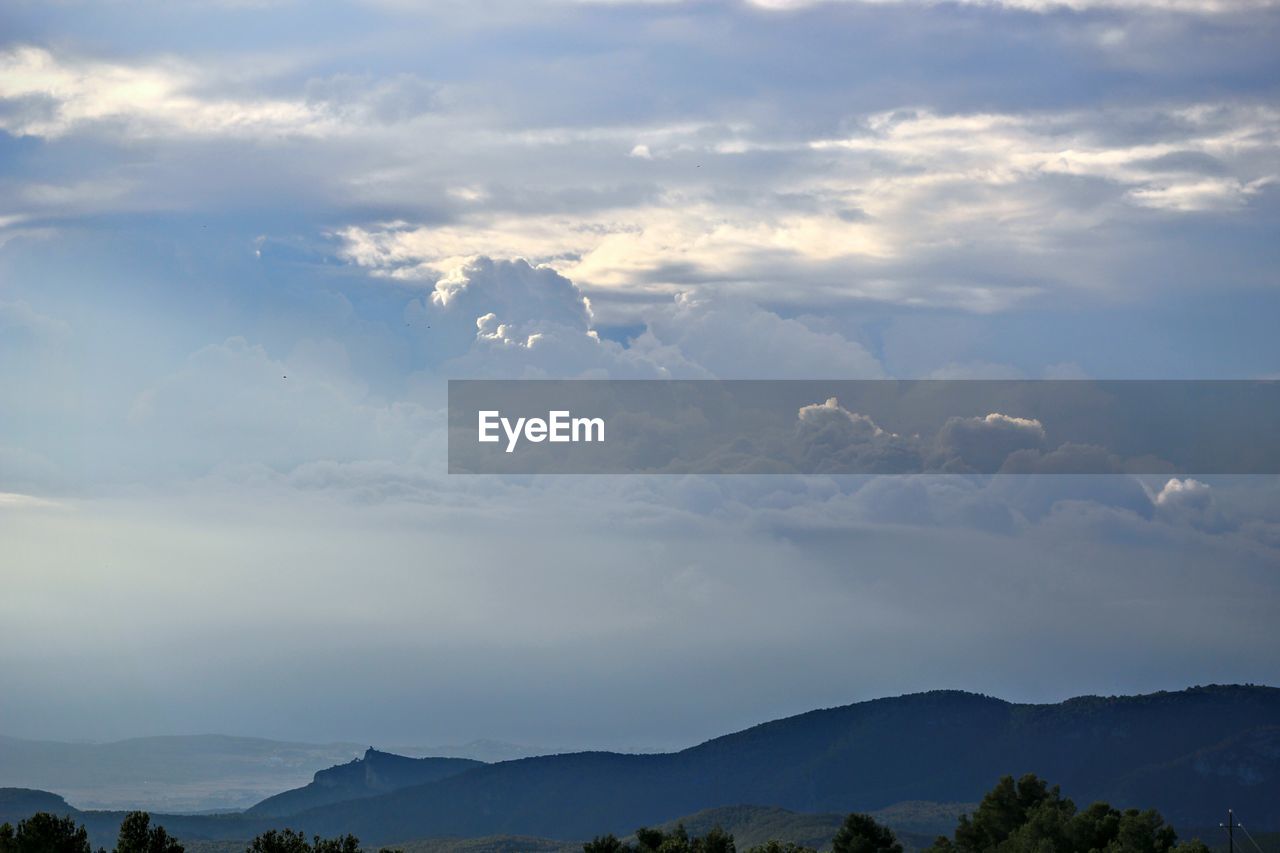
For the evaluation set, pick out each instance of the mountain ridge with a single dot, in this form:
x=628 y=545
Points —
x=937 y=746
x=374 y=773
x=934 y=746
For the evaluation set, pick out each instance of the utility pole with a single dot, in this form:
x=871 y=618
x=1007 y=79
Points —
x=1231 y=831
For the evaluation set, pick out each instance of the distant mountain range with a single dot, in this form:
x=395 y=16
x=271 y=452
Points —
x=194 y=773
x=1190 y=754
x=189 y=773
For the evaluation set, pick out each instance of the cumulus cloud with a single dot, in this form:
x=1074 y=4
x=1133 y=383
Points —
x=510 y=318
x=850 y=426
x=830 y=438
x=983 y=444
x=1068 y=458
x=1192 y=503
x=746 y=427
x=514 y=293
x=1186 y=492
x=729 y=338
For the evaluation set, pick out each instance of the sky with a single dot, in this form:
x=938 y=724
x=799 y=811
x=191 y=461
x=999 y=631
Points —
x=244 y=244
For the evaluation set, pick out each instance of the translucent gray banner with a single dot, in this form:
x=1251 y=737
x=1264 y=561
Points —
x=864 y=427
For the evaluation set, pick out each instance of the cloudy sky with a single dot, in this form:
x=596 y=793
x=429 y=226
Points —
x=244 y=244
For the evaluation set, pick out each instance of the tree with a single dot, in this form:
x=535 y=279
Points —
x=280 y=841
x=860 y=833
x=775 y=846
x=1009 y=807
x=649 y=839
x=46 y=833
x=138 y=836
x=289 y=841
x=343 y=844
x=676 y=841
x=1030 y=817
x=715 y=841
x=292 y=842
x=600 y=844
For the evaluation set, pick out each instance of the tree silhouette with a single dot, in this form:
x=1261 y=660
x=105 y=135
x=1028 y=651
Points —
x=1028 y=816
x=44 y=833
x=649 y=840
x=290 y=841
x=138 y=836
x=860 y=833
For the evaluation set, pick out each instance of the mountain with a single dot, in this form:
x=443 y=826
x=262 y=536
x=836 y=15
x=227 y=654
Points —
x=942 y=746
x=375 y=773
x=1241 y=770
x=184 y=773
x=1190 y=754
x=18 y=803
